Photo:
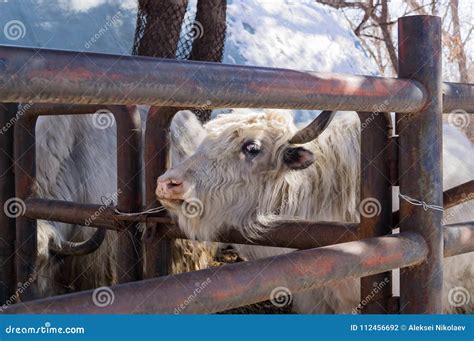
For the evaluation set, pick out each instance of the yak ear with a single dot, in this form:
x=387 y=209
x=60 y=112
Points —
x=186 y=134
x=298 y=158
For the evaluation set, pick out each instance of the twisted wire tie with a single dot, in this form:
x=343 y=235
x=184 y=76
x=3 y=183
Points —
x=107 y=202
x=420 y=203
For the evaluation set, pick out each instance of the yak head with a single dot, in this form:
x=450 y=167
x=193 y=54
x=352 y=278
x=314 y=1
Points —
x=231 y=171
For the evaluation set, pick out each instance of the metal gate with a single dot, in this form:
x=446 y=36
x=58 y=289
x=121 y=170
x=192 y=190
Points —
x=95 y=81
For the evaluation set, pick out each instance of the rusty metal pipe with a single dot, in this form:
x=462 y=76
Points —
x=458 y=96
x=156 y=156
x=73 y=213
x=458 y=195
x=234 y=285
x=56 y=76
x=458 y=238
x=77 y=213
x=93 y=215
x=289 y=234
x=8 y=114
x=292 y=234
x=420 y=162
x=375 y=188
x=129 y=199
x=46 y=109
x=26 y=229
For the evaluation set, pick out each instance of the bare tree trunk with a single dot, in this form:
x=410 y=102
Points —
x=387 y=36
x=158 y=27
x=209 y=43
x=459 y=48
x=211 y=16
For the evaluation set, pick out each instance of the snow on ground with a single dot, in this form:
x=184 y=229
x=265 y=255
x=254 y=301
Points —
x=297 y=35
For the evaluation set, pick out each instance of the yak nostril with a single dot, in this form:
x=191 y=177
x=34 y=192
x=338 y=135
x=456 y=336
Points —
x=173 y=184
x=169 y=188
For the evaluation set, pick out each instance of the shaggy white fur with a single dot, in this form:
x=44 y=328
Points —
x=67 y=152
x=76 y=161
x=251 y=193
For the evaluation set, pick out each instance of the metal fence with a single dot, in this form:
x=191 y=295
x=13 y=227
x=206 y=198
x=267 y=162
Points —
x=94 y=81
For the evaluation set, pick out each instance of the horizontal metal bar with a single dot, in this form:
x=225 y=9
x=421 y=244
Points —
x=53 y=109
x=458 y=96
x=40 y=109
x=292 y=234
x=82 y=214
x=234 y=285
x=55 y=76
x=76 y=213
x=458 y=195
x=288 y=234
x=458 y=238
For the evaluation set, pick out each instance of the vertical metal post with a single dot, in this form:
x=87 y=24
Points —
x=129 y=257
x=420 y=167
x=375 y=205
x=26 y=231
x=157 y=250
x=7 y=192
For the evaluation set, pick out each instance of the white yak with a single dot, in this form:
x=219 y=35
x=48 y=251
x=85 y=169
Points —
x=240 y=171
x=76 y=161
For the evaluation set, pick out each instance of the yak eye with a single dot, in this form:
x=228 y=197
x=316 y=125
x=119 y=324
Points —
x=251 y=148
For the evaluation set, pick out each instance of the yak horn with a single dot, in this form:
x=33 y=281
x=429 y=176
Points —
x=314 y=129
x=68 y=248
